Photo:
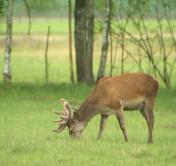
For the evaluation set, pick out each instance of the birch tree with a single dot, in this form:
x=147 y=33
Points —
x=8 y=42
x=105 y=43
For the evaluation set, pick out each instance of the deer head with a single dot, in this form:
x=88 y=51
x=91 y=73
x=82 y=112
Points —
x=68 y=118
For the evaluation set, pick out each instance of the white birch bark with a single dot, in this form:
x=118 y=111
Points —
x=8 y=41
x=105 y=43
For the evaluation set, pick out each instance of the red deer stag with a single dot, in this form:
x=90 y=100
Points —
x=131 y=91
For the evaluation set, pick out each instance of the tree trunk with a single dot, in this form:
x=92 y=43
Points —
x=8 y=41
x=29 y=16
x=46 y=56
x=70 y=41
x=104 y=48
x=89 y=31
x=84 y=24
x=79 y=39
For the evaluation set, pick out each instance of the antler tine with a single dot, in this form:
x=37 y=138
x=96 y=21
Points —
x=62 y=100
x=55 y=121
x=62 y=122
x=59 y=129
x=58 y=112
x=66 y=111
x=68 y=107
x=65 y=115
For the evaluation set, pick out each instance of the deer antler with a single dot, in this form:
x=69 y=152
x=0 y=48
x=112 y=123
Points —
x=65 y=115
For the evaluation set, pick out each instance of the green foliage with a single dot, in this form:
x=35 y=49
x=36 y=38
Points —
x=3 y=7
x=59 y=7
x=43 y=7
x=138 y=5
x=132 y=7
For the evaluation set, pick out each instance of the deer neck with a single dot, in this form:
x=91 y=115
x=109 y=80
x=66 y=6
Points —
x=87 y=110
x=84 y=114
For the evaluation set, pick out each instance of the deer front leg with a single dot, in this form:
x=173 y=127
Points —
x=120 y=118
x=104 y=118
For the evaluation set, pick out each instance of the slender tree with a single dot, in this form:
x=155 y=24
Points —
x=29 y=16
x=8 y=41
x=46 y=56
x=70 y=40
x=84 y=24
x=105 y=43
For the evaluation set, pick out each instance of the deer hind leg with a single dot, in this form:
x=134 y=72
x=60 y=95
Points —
x=120 y=118
x=147 y=113
x=103 y=121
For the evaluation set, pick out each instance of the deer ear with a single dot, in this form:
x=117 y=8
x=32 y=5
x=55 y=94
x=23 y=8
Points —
x=62 y=101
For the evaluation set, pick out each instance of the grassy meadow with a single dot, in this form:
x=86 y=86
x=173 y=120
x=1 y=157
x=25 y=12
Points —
x=27 y=138
x=26 y=105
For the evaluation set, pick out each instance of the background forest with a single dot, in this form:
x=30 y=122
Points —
x=61 y=48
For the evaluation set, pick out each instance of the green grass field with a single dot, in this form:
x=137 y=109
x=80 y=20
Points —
x=26 y=137
x=38 y=26
x=60 y=25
